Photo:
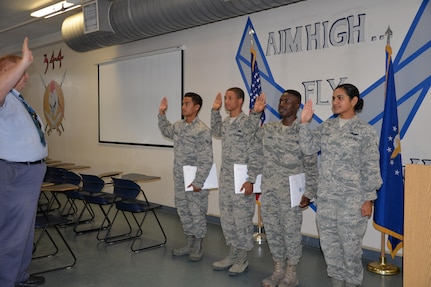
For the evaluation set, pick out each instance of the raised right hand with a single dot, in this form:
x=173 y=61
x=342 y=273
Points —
x=307 y=112
x=217 y=102
x=27 y=55
x=163 y=106
x=260 y=103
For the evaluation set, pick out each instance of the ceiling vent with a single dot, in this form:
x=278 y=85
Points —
x=96 y=17
x=115 y=22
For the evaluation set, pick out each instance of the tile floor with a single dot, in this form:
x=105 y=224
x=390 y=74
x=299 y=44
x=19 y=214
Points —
x=99 y=264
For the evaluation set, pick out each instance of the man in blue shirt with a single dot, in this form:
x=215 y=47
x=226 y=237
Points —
x=22 y=163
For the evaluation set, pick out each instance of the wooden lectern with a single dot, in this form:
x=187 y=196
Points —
x=417 y=226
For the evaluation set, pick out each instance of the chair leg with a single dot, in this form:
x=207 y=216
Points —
x=93 y=229
x=70 y=202
x=160 y=244
x=111 y=239
x=43 y=200
x=108 y=227
x=53 y=202
x=73 y=210
x=69 y=265
x=39 y=238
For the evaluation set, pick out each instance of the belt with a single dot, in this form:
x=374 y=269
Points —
x=26 y=162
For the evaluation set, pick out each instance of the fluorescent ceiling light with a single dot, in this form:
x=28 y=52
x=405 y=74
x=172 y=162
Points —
x=63 y=11
x=54 y=9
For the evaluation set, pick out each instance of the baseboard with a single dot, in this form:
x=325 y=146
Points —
x=311 y=241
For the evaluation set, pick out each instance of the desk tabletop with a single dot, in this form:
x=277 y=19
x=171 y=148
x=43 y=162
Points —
x=60 y=187
x=64 y=165
x=137 y=177
x=110 y=173
x=54 y=163
x=46 y=184
x=72 y=167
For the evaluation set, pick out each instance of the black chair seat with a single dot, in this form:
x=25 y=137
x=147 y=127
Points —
x=74 y=194
x=101 y=198
x=135 y=205
x=44 y=221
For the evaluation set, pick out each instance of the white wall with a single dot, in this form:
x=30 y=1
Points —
x=210 y=68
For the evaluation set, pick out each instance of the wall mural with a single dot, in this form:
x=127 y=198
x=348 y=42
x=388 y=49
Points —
x=53 y=98
x=411 y=64
x=411 y=71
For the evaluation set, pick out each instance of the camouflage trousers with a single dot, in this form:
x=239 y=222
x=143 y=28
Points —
x=192 y=208
x=282 y=225
x=341 y=229
x=236 y=217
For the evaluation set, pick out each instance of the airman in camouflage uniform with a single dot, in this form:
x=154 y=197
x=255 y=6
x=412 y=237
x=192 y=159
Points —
x=348 y=180
x=237 y=133
x=192 y=146
x=282 y=157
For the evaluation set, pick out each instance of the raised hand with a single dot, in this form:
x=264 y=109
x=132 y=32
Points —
x=260 y=103
x=163 y=106
x=27 y=55
x=10 y=77
x=307 y=112
x=217 y=102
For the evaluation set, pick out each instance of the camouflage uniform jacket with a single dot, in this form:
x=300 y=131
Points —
x=238 y=142
x=349 y=160
x=192 y=146
x=283 y=157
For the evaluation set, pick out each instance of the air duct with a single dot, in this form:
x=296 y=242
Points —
x=133 y=20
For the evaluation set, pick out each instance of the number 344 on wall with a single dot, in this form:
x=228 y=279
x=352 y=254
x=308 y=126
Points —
x=52 y=60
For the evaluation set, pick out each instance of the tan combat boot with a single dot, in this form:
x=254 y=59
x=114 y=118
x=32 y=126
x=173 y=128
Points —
x=290 y=279
x=277 y=276
x=228 y=261
x=185 y=250
x=240 y=264
x=197 y=251
x=337 y=283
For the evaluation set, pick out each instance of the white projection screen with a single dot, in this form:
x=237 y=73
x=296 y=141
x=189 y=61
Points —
x=130 y=91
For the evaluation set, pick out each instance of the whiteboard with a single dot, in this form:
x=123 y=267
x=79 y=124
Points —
x=130 y=91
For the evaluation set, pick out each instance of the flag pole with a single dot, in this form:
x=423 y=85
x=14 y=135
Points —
x=383 y=267
x=259 y=237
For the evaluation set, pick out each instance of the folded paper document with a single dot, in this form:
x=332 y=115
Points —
x=190 y=173
x=240 y=176
x=297 y=188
